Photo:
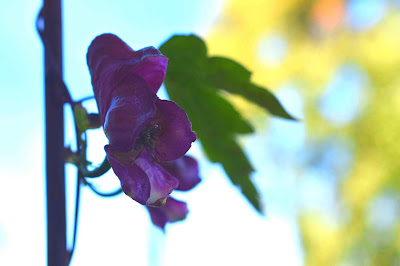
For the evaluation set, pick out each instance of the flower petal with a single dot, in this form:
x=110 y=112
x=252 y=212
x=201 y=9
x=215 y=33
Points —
x=152 y=68
x=110 y=60
x=186 y=170
x=162 y=183
x=176 y=135
x=141 y=178
x=172 y=211
x=134 y=181
x=131 y=108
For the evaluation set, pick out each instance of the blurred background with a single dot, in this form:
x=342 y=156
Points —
x=329 y=183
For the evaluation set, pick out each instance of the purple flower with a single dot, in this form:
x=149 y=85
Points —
x=185 y=169
x=173 y=211
x=144 y=132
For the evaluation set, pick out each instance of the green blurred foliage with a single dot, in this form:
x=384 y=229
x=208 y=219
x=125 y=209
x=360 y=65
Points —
x=320 y=40
x=196 y=82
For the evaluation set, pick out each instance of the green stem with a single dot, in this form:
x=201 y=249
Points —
x=99 y=171
x=85 y=99
x=103 y=194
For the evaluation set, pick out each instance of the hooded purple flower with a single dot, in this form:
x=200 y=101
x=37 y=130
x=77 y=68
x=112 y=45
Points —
x=186 y=170
x=173 y=211
x=143 y=131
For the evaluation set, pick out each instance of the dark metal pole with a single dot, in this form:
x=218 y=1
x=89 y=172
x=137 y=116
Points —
x=55 y=179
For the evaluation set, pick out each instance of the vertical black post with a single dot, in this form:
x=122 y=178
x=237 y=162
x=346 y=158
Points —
x=55 y=179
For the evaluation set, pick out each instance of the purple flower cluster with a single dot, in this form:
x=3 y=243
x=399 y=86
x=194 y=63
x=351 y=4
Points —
x=148 y=137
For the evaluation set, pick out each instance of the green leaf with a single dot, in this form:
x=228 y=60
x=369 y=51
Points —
x=234 y=78
x=85 y=121
x=195 y=82
x=81 y=118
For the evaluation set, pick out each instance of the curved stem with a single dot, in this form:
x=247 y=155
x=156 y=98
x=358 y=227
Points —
x=99 y=171
x=85 y=99
x=79 y=141
x=103 y=194
x=78 y=193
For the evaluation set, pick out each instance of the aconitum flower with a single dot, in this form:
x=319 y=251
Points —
x=173 y=211
x=187 y=172
x=143 y=131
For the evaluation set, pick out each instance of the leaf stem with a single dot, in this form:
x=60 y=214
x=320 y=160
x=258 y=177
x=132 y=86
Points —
x=99 y=171
x=103 y=194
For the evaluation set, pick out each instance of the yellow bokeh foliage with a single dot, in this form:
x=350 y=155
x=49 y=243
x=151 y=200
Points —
x=317 y=44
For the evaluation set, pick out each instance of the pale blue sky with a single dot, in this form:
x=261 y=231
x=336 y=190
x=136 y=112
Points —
x=222 y=228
